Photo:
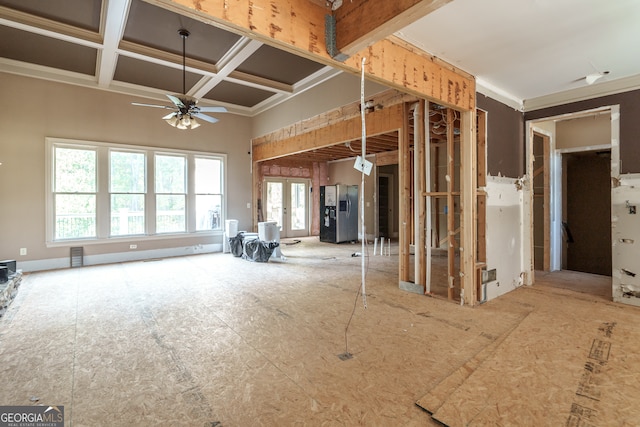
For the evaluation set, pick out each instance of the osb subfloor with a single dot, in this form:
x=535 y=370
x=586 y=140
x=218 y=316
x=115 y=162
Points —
x=213 y=340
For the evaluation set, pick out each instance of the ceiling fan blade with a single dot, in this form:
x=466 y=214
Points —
x=212 y=109
x=176 y=101
x=151 y=105
x=206 y=118
x=168 y=116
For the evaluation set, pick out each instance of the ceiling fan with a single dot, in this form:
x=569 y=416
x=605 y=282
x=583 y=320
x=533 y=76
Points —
x=185 y=107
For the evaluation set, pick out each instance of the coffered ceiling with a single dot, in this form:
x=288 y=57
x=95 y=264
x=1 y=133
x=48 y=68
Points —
x=133 y=47
x=527 y=53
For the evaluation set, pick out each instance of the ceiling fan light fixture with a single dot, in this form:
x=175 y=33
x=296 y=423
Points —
x=592 y=78
x=181 y=124
x=171 y=119
x=185 y=106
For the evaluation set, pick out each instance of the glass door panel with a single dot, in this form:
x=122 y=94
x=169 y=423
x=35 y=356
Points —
x=286 y=202
x=274 y=202
x=298 y=193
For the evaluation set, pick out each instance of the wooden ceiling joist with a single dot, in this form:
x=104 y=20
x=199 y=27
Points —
x=359 y=24
x=378 y=122
x=298 y=26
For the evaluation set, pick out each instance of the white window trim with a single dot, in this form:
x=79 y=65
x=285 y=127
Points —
x=103 y=201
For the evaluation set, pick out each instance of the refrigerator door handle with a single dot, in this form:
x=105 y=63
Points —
x=348 y=207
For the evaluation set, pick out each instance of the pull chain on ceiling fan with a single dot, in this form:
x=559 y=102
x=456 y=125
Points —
x=185 y=109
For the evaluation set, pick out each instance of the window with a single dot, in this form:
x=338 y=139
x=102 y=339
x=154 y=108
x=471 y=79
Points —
x=127 y=188
x=99 y=191
x=171 y=194
x=208 y=189
x=74 y=193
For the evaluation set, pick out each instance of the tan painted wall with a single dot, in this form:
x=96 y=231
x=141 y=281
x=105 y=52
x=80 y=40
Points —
x=584 y=132
x=340 y=90
x=35 y=109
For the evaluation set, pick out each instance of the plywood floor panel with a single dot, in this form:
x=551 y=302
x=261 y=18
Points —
x=206 y=339
x=561 y=357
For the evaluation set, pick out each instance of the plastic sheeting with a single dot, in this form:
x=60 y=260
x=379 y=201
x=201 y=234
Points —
x=251 y=249
x=258 y=250
x=236 y=244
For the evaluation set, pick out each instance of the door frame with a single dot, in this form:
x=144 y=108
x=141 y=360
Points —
x=546 y=197
x=285 y=228
x=555 y=246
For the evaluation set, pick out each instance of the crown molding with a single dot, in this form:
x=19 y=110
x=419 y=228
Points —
x=580 y=94
x=499 y=95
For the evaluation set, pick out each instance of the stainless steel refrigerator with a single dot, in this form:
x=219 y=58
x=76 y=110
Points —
x=339 y=213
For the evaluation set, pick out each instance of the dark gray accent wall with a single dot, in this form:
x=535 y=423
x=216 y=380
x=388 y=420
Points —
x=505 y=138
x=629 y=123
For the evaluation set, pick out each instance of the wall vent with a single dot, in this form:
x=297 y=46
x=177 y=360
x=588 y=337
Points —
x=77 y=258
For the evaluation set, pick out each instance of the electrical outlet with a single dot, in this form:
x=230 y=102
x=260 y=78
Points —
x=248 y=205
x=23 y=251
x=133 y=246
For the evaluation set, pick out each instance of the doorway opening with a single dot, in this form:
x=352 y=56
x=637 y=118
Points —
x=573 y=158
x=587 y=217
x=387 y=203
x=286 y=202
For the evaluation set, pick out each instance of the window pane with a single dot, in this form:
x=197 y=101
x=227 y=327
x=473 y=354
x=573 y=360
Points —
x=170 y=174
x=298 y=206
x=170 y=213
x=208 y=212
x=208 y=176
x=75 y=216
x=127 y=214
x=127 y=172
x=75 y=170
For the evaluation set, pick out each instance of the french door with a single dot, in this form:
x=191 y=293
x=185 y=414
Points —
x=286 y=201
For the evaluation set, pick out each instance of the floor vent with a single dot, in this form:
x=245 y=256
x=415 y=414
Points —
x=77 y=257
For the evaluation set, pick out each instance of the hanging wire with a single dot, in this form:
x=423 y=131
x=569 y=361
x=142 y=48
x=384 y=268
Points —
x=361 y=289
x=364 y=156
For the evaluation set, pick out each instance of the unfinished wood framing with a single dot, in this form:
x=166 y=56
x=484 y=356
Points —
x=387 y=62
x=298 y=26
x=404 y=187
x=451 y=225
x=420 y=187
x=358 y=23
x=333 y=127
x=387 y=158
x=468 y=206
x=409 y=120
x=379 y=121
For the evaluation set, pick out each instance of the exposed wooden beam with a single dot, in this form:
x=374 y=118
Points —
x=387 y=158
x=380 y=121
x=360 y=24
x=298 y=26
